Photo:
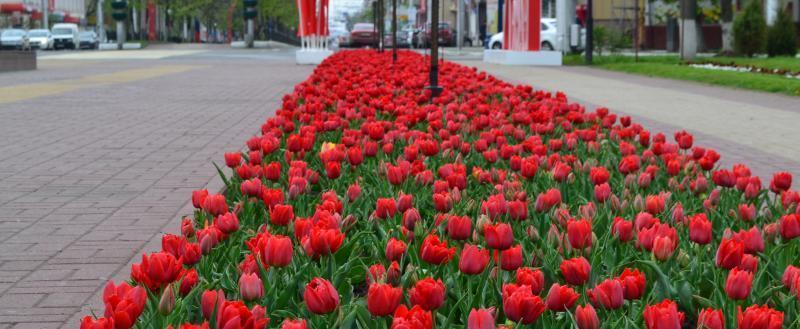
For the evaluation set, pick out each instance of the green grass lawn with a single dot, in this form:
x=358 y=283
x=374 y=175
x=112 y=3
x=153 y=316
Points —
x=669 y=67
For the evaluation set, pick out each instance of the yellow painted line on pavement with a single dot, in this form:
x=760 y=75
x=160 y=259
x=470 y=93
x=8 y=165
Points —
x=12 y=94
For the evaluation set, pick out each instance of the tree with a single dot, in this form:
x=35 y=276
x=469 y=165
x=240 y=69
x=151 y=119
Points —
x=780 y=36
x=727 y=25
x=284 y=11
x=749 y=29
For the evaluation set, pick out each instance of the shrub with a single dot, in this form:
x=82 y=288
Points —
x=749 y=29
x=600 y=42
x=780 y=36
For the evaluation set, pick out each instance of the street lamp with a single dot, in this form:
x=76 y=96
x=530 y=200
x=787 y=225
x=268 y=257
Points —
x=434 y=87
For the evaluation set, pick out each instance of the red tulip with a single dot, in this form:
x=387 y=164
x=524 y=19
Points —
x=511 y=258
x=752 y=239
x=210 y=302
x=277 y=251
x=415 y=318
x=442 y=202
x=320 y=296
x=123 y=304
x=664 y=247
x=527 y=276
x=700 y=229
x=598 y=175
x=738 y=284
x=575 y=270
x=520 y=304
x=157 y=270
x=235 y=315
x=607 y=294
x=473 y=260
x=252 y=187
x=710 y=318
x=459 y=227
x=560 y=298
x=663 y=315
x=518 y=210
x=385 y=208
x=790 y=226
x=250 y=286
x=100 y=323
x=480 y=319
x=294 y=324
x=325 y=241
x=427 y=293
x=579 y=233
x=199 y=198
x=498 y=236
x=633 y=283
x=395 y=249
x=227 y=223
x=434 y=251
x=188 y=282
x=759 y=317
x=383 y=299
x=602 y=192
x=410 y=218
x=622 y=229
x=548 y=200
x=215 y=204
x=781 y=181
x=281 y=215
x=729 y=254
x=586 y=317
x=789 y=276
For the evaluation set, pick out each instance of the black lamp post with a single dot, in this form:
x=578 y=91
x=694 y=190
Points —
x=436 y=90
x=394 y=31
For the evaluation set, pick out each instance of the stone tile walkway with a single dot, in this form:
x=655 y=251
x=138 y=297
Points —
x=90 y=174
x=757 y=129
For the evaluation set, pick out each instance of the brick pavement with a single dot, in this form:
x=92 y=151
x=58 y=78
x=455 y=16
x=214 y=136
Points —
x=754 y=128
x=88 y=177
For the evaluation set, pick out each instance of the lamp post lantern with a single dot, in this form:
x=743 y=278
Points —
x=434 y=87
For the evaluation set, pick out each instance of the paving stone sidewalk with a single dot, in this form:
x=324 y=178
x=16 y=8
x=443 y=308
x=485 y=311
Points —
x=754 y=128
x=89 y=176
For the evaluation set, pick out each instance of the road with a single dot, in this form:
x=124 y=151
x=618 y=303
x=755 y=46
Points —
x=99 y=153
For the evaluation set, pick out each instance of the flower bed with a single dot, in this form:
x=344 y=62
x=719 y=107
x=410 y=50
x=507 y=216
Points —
x=743 y=68
x=363 y=206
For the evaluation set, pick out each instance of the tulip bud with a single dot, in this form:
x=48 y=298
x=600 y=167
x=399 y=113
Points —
x=349 y=222
x=167 y=302
x=683 y=258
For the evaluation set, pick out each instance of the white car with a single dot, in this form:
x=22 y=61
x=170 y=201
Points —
x=65 y=35
x=548 y=36
x=41 y=39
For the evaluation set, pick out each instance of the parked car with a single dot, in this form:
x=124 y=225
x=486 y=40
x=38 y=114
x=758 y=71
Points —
x=14 y=39
x=446 y=36
x=88 y=40
x=548 y=36
x=65 y=35
x=402 y=40
x=364 y=34
x=40 y=39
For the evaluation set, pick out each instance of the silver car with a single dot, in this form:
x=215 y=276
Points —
x=14 y=39
x=40 y=39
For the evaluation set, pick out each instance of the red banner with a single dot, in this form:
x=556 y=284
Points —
x=151 y=20
x=522 y=25
x=313 y=17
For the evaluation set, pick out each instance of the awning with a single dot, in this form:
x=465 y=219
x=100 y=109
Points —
x=14 y=7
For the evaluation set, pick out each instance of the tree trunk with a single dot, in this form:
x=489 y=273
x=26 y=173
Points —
x=727 y=26
x=688 y=29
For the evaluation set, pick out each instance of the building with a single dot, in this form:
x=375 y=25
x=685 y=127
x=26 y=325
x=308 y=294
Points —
x=29 y=13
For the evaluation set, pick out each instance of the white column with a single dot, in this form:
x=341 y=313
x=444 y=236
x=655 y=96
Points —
x=460 y=24
x=563 y=22
x=771 y=10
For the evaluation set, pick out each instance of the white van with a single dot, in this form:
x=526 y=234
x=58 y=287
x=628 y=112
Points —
x=65 y=35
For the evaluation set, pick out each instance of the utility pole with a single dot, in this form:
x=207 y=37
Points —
x=394 y=31
x=436 y=90
x=589 y=32
x=45 y=14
